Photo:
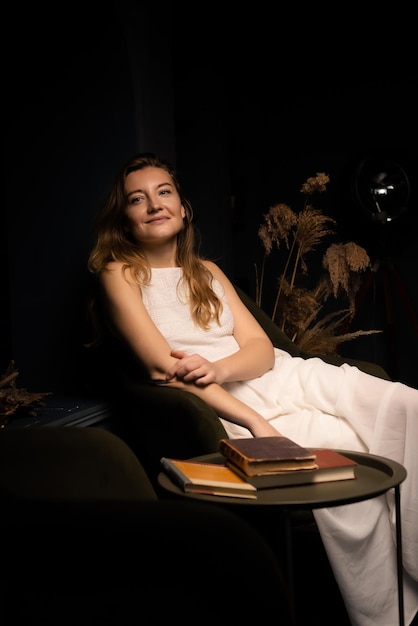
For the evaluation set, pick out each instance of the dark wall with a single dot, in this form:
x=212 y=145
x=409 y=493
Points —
x=247 y=109
x=298 y=94
x=81 y=100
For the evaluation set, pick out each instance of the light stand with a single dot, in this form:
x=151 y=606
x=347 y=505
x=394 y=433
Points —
x=381 y=189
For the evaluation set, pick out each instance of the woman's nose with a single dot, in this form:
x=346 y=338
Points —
x=154 y=205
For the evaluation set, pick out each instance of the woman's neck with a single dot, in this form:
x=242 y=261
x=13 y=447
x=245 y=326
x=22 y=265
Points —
x=162 y=258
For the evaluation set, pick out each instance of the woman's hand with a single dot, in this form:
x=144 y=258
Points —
x=201 y=376
x=193 y=368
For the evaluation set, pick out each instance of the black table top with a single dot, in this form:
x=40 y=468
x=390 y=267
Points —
x=374 y=475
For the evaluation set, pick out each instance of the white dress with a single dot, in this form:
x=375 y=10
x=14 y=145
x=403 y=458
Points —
x=321 y=405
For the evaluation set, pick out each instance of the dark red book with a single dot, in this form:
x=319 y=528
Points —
x=332 y=465
x=265 y=455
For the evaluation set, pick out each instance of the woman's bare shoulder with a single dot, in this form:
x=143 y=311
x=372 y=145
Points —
x=210 y=265
x=114 y=266
x=226 y=283
x=111 y=269
x=214 y=269
x=117 y=271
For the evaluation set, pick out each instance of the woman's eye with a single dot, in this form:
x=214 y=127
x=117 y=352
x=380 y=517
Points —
x=163 y=192
x=136 y=200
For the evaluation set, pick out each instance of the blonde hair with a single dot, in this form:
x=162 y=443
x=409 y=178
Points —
x=115 y=243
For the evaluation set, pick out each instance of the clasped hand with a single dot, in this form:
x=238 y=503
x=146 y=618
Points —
x=192 y=368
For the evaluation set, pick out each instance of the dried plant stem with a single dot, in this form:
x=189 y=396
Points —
x=259 y=281
x=286 y=267
x=295 y=267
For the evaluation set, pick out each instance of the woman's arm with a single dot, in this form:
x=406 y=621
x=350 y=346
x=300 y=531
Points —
x=132 y=322
x=228 y=407
x=256 y=353
x=254 y=357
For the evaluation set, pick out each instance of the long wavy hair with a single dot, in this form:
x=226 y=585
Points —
x=115 y=243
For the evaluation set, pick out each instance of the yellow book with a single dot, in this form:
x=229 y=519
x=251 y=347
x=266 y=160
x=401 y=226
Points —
x=207 y=478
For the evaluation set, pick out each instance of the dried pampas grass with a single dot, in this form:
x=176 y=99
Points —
x=299 y=311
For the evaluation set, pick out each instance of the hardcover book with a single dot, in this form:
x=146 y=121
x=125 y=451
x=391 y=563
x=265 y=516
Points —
x=266 y=455
x=207 y=478
x=332 y=466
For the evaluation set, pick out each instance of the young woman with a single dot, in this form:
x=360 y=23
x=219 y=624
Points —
x=181 y=316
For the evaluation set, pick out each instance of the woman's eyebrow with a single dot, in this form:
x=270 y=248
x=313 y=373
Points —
x=142 y=191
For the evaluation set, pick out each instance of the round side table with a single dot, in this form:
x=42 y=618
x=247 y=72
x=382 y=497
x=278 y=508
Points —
x=375 y=475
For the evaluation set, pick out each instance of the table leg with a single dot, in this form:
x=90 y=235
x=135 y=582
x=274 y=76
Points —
x=399 y=563
x=288 y=557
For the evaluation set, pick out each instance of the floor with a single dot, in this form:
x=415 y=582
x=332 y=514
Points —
x=317 y=596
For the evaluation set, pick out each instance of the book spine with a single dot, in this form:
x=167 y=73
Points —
x=175 y=473
x=233 y=455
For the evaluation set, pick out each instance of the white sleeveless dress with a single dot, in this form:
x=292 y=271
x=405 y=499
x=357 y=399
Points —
x=321 y=405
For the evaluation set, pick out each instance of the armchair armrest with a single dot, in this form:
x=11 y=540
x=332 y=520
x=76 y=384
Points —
x=161 y=421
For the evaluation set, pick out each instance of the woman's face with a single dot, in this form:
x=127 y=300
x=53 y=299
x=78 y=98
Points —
x=153 y=208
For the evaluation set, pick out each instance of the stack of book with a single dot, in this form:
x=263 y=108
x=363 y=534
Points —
x=257 y=463
x=279 y=461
